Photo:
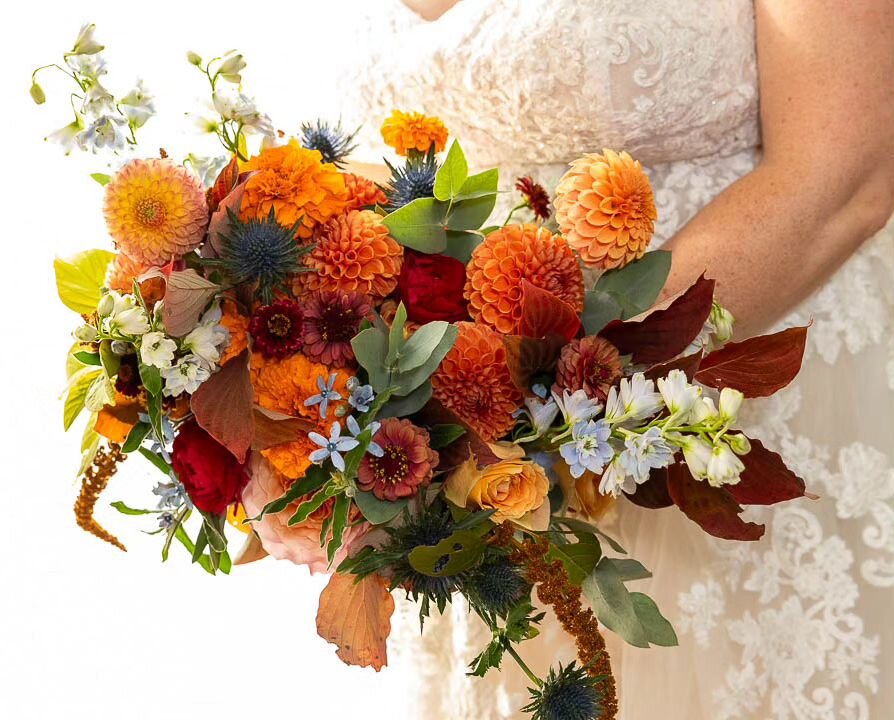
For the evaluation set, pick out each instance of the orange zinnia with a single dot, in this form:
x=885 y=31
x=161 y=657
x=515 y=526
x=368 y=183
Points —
x=512 y=254
x=606 y=210
x=473 y=381
x=296 y=185
x=353 y=253
x=363 y=193
x=413 y=131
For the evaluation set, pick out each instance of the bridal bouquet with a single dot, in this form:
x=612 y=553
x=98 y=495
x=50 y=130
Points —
x=375 y=382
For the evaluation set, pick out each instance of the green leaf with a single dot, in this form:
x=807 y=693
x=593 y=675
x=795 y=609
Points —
x=440 y=436
x=470 y=214
x=452 y=174
x=629 y=570
x=183 y=538
x=406 y=382
x=75 y=401
x=125 y=510
x=657 y=628
x=613 y=604
x=421 y=345
x=402 y=406
x=314 y=478
x=479 y=185
x=154 y=410
x=636 y=286
x=370 y=348
x=101 y=178
x=151 y=377
x=79 y=279
x=304 y=510
x=87 y=358
x=419 y=225
x=462 y=243
x=396 y=335
x=378 y=511
x=600 y=308
x=579 y=558
x=341 y=514
x=458 y=552
x=108 y=359
x=135 y=437
x=580 y=526
x=156 y=460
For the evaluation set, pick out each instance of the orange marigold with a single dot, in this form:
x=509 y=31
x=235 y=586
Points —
x=296 y=184
x=514 y=253
x=237 y=325
x=473 y=381
x=413 y=131
x=606 y=209
x=155 y=210
x=123 y=270
x=353 y=253
x=363 y=193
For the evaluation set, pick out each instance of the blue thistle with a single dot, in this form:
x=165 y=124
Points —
x=416 y=179
x=570 y=694
x=261 y=252
x=496 y=586
x=333 y=143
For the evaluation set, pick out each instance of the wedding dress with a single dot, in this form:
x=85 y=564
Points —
x=797 y=626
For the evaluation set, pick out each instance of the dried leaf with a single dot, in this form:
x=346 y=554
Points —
x=273 y=428
x=224 y=184
x=220 y=221
x=759 y=366
x=251 y=551
x=528 y=357
x=356 y=616
x=186 y=297
x=114 y=422
x=470 y=443
x=766 y=480
x=546 y=314
x=224 y=406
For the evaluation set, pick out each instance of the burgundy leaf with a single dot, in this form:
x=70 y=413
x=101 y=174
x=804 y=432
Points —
x=653 y=493
x=186 y=297
x=758 y=366
x=527 y=357
x=546 y=314
x=664 y=334
x=688 y=364
x=766 y=480
x=224 y=406
x=274 y=429
x=713 y=509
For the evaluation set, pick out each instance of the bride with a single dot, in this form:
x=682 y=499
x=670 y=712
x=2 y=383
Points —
x=767 y=130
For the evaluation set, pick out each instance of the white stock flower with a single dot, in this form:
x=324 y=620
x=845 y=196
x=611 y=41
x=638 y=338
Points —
x=231 y=67
x=98 y=101
x=157 y=350
x=615 y=480
x=636 y=399
x=722 y=321
x=701 y=411
x=730 y=402
x=697 y=454
x=740 y=444
x=186 y=376
x=86 y=44
x=645 y=451
x=576 y=407
x=104 y=132
x=679 y=394
x=123 y=316
x=724 y=467
x=206 y=341
x=85 y=333
x=89 y=67
x=138 y=105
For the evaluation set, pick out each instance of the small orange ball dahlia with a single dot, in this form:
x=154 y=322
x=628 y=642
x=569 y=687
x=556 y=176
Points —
x=123 y=271
x=591 y=364
x=155 y=210
x=606 y=209
x=296 y=184
x=413 y=131
x=353 y=253
x=473 y=381
x=363 y=193
x=514 y=253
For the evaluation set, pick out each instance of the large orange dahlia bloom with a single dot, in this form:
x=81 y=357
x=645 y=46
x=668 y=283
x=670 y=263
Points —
x=514 y=253
x=363 y=193
x=155 y=210
x=473 y=381
x=413 y=131
x=296 y=184
x=606 y=209
x=353 y=253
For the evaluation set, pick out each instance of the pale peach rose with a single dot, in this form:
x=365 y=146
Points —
x=582 y=496
x=516 y=488
x=298 y=543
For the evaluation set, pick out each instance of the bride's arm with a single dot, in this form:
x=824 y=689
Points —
x=826 y=180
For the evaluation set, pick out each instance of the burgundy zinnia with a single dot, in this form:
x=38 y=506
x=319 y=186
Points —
x=276 y=329
x=331 y=319
x=591 y=364
x=406 y=464
x=534 y=195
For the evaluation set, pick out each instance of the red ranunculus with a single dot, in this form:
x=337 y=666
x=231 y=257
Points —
x=210 y=473
x=431 y=287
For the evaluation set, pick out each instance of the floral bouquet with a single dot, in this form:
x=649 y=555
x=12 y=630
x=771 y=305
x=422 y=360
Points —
x=375 y=382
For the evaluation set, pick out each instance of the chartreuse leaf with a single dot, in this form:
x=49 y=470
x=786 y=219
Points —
x=79 y=279
x=600 y=308
x=101 y=178
x=76 y=399
x=637 y=285
x=419 y=225
x=452 y=174
x=378 y=511
x=459 y=551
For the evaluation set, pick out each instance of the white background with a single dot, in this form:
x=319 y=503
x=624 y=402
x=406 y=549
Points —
x=85 y=630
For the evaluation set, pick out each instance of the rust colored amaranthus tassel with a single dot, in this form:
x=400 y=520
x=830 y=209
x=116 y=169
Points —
x=93 y=482
x=555 y=589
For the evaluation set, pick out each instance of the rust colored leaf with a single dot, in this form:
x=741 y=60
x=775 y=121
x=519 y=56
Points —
x=356 y=616
x=220 y=221
x=225 y=182
x=114 y=422
x=527 y=357
x=224 y=406
x=653 y=494
x=186 y=298
x=766 y=480
x=664 y=334
x=759 y=366
x=713 y=509
x=688 y=364
x=546 y=314
x=275 y=429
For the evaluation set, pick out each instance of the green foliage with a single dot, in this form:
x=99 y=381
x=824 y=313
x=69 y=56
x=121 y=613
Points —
x=376 y=511
x=452 y=174
x=124 y=509
x=79 y=385
x=460 y=551
x=79 y=279
x=579 y=558
x=440 y=436
x=102 y=178
x=135 y=437
x=520 y=625
x=600 y=308
x=156 y=460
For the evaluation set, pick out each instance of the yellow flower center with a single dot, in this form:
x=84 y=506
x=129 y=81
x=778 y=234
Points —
x=279 y=325
x=150 y=212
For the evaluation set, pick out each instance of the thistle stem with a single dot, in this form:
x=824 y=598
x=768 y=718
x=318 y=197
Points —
x=521 y=663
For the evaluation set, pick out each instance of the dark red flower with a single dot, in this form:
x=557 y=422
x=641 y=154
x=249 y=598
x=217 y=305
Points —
x=431 y=287
x=534 y=195
x=128 y=381
x=276 y=329
x=331 y=319
x=212 y=476
x=407 y=461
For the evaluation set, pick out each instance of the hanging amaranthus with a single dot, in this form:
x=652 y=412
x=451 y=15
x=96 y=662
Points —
x=93 y=482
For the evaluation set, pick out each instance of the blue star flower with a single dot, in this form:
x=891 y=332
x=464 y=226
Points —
x=332 y=447
x=327 y=393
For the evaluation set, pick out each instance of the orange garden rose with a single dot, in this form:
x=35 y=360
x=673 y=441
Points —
x=506 y=257
x=363 y=193
x=582 y=496
x=155 y=211
x=413 y=131
x=296 y=185
x=353 y=253
x=606 y=210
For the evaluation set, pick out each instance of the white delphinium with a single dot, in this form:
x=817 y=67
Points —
x=576 y=407
x=206 y=341
x=678 y=393
x=615 y=480
x=724 y=466
x=703 y=411
x=588 y=448
x=643 y=452
x=635 y=399
x=185 y=376
x=138 y=105
x=86 y=44
x=231 y=68
x=157 y=350
x=696 y=452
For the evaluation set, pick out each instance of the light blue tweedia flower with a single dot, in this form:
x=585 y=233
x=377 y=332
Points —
x=354 y=428
x=361 y=396
x=332 y=447
x=588 y=448
x=644 y=452
x=327 y=393
x=165 y=520
x=171 y=494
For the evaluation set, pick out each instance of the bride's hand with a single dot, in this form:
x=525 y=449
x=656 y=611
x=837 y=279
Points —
x=826 y=180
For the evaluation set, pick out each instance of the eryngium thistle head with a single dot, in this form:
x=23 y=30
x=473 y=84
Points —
x=260 y=251
x=333 y=143
x=416 y=179
x=570 y=694
x=496 y=586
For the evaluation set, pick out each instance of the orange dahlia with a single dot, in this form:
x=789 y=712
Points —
x=296 y=184
x=413 y=131
x=155 y=210
x=123 y=271
x=353 y=253
x=514 y=253
x=605 y=207
x=473 y=381
x=363 y=193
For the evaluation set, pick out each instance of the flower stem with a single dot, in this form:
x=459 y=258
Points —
x=521 y=663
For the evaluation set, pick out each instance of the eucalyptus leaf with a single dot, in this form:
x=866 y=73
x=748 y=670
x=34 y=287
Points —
x=637 y=285
x=600 y=308
x=613 y=605
x=421 y=345
x=370 y=348
x=406 y=382
x=419 y=225
x=579 y=559
x=629 y=570
x=657 y=628
x=396 y=335
x=480 y=184
x=452 y=174
x=462 y=243
x=378 y=511
x=470 y=214
x=402 y=406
